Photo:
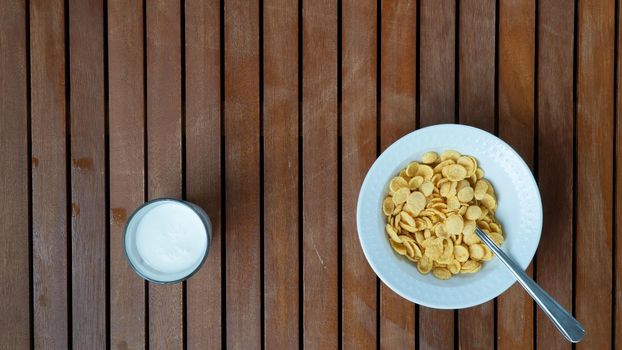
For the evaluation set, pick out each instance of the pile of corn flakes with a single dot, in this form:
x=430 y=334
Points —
x=432 y=209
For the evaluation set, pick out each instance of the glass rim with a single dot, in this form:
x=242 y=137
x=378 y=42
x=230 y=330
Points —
x=206 y=224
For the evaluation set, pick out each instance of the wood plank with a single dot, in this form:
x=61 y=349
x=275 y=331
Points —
x=88 y=188
x=203 y=177
x=49 y=174
x=242 y=174
x=516 y=126
x=477 y=108
x=437 y=105
x=126 y=161
x=397 y=118
x=594 y=171
x=477 y=64
x=281 y=259
x=555 y=156
x=164 y=152
x=358 y=131
x=319 y=183
x=618 y=199
x=14 y=249
x=438 y=56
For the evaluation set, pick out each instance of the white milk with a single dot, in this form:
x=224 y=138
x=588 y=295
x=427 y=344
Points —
x=166 y=241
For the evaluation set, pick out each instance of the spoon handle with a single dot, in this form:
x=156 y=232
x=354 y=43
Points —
x=570 y=328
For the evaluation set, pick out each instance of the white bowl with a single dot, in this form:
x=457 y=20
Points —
x=519 y=211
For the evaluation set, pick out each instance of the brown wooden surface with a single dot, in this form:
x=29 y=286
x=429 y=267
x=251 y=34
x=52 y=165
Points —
x=268 y=114
x=320 y=206
x=617 y=295
x=49 y=174
x=594 y=194
x=242 y=174
x=88 y=167
x=280 y=171
x=14 y=164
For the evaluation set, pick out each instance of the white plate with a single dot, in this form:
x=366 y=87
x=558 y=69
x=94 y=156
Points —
x=519 y=211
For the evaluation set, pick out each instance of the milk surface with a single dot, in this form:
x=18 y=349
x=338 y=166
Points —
x=171 y=238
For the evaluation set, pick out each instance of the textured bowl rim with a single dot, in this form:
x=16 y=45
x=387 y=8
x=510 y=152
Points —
x=395 y=147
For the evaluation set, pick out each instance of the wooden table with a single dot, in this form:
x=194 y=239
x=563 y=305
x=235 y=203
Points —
x=268 y=115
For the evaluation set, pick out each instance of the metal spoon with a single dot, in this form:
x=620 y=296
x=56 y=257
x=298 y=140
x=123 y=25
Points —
x=570 y=328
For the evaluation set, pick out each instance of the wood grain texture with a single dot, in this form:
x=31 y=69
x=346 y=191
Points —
x=438 y=57
x=477 y=64
x=358 y=154
x=397 y=118
x=164 y=152
x=320 y=169
x=14 y=248
x=437 y=105
x=555 y=157
x=516 y=126
x=618 y=199
x=49 y=174
x=51 y=48
x=594 y=171
x=203 y=169
x=126 y=161
x=477 y=108
x=516 y=75
x=242 y=174
x=280 y=140
x=88 y=187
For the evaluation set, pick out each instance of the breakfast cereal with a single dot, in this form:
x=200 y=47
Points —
x=432 y=209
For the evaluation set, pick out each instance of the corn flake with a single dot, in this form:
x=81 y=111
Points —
x=415 y=182
x=473 y=212
x=388 y=206
x=465 y=194
x=429 y=157
x=397 y=183
x=411 y=169
x=471 y=266
x=461 y=253
x=441 y=273
x=476 y=251
x=455 y=172
x=450 y=154
x=400 y=196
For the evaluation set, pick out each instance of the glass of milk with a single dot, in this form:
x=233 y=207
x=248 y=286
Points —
x=166 y=240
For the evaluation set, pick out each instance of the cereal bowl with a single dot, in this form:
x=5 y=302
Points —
x=519 y=211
